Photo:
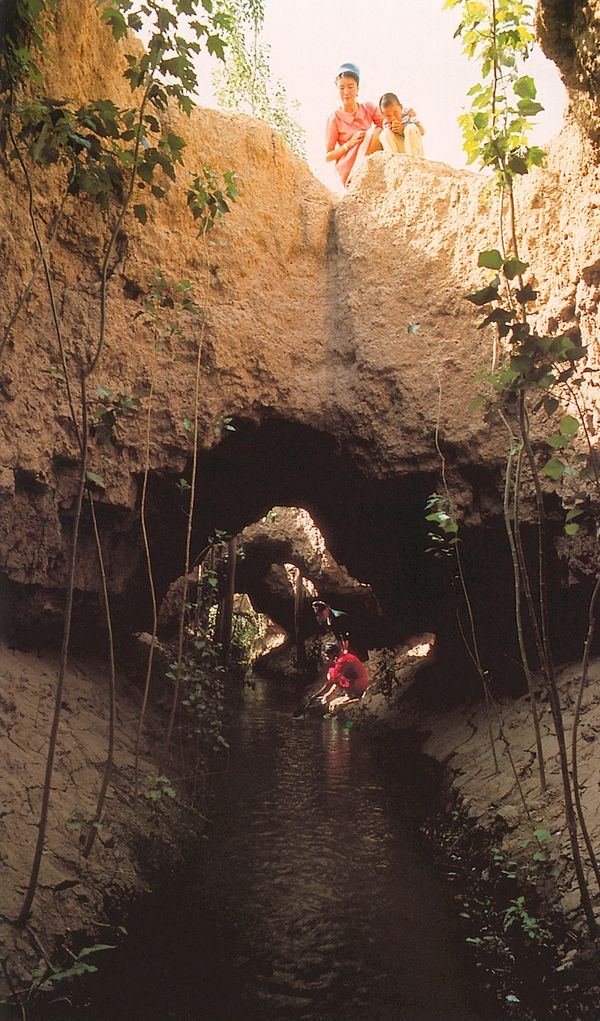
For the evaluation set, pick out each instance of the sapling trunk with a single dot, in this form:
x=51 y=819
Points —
x=151 y=584
x=43 y=249
x=574 y=737
x=97 y=820
x=511 y=760
x=586 y=654
x=553 y=693
x=112 y=240
x=43 y=823
x=473 y=648
x=227 y=619
x=190 y=516
x=298 y=619
x=518 y=608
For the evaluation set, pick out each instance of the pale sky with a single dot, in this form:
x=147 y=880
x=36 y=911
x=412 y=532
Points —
x=402 y=46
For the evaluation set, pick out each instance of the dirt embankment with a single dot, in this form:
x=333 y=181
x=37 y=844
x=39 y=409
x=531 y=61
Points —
x=506 y=801
x=137 y=833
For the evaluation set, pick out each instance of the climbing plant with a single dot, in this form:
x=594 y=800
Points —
x=108 y=155
x=167 y=308
x=531 y=374
x=245 y=83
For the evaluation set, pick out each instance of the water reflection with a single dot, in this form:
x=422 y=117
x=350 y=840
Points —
x=332 y=910
x=314 y=902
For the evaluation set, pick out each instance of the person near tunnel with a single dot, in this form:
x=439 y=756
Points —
x=329 y=619
x=347 y=678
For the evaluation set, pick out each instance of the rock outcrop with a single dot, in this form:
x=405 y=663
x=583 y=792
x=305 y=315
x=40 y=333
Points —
x=305 y=345
x=138 y=834
x=570 y=34
x=288 y=535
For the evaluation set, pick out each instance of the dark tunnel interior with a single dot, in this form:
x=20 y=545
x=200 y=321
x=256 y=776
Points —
x=375 y=526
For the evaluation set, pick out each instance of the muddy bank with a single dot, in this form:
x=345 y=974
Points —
x=138 y=835
x=492 y=814
x=484 y=825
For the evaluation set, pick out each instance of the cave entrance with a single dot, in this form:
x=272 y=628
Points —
x=372 y=524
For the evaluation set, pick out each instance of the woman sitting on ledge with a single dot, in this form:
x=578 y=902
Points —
x=353 y=129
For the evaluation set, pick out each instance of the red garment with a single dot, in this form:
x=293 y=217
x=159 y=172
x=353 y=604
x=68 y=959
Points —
x=350 y=674
x=342 y=126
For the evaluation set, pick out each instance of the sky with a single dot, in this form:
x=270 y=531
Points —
x=402 y=46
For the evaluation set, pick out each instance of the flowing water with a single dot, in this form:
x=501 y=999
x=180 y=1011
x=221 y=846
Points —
x=318 y=900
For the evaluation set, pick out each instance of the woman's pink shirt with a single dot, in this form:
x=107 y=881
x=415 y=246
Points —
x=342 y=126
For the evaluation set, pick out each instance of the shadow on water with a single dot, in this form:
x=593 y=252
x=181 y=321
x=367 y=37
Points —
x=314 y=899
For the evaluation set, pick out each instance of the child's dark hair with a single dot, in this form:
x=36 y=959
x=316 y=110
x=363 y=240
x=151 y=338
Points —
x=388 y=99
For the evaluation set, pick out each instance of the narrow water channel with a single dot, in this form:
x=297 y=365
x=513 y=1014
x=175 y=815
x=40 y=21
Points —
x=318 y=901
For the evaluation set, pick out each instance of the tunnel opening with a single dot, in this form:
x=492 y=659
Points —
x=375 y=525
x=372 y=523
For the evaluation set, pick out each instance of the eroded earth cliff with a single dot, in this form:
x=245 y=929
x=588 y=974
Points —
x=305 y=307
x=305 y=303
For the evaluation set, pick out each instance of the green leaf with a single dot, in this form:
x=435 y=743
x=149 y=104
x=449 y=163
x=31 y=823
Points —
x=542 y=835
x=514 y=267
x=485 y=295
x=572 y=528
x=95 y=949
x=187 y=424
x=214 y=46
x=553 y=468
x=535 y=156
x=518 y=164
x=491 y=259
x=475 y=404
x=520 y=364
x=117 y=22
x=413 y=328
x=529 y=108
x=568 y=426
x=501 y=316
x=525 y=294
x=574 y=512
x=550 y=405
x=525 y=87
x=557 y=441
x=95 y=478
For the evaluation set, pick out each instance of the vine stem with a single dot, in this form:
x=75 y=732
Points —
x=43 y=822
x=518 y=605
x=574 y=737
x=190 y=516
x=43 y=249
x=148 y=556
x=473 y=648
x=93 y=830
x=552 y=689
x=109 y=249
x=570 y=790
x=586 y=659
x=80 y=441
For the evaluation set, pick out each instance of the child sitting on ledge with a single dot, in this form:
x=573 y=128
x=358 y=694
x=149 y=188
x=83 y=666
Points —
x=402 y=130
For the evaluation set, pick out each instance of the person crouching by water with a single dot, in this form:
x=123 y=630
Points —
x=347 y=678
x=353 y=129
x=402 y=130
